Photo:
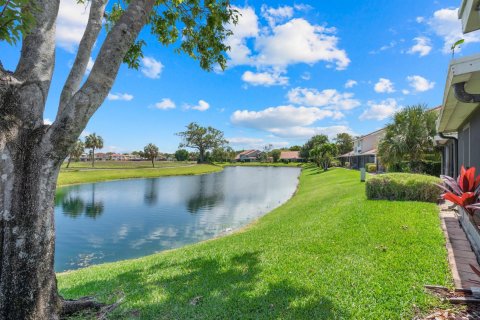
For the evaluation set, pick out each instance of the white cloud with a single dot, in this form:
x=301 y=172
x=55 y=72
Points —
x=282 y=116
x=266 y=79
x=247 y=27
x=71 y=22
x=276 y=15
x=328 y=98
x=165 y=104
x=350 y=83
x=119 y=96
x=90 y=64
x=47 y=121
x=151 y=68
x=381 y=110
x=384 y=86
x=391 y=45
x=254 y=143
x=405 y=91
x=419 y=19
x=422 y=46
x=306 y=76
x=445 y=24
x=201 y=106
x=307 y=43
x=420 y=84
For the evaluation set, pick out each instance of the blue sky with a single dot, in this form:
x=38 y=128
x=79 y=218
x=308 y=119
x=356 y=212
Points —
x=296 y=69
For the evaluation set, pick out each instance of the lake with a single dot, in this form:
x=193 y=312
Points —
x=117 y=220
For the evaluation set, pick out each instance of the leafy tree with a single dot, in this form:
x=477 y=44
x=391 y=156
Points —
x=151 y=152
x=33 y=152
x=323 y=154
x=202 y=138
x=181 y=155
x=219 y=155
x=310 y=144
x=408 y=138
x=276 y=155
x=295 y=148
x=344 y=142
x=92 y=141
x=76 y=152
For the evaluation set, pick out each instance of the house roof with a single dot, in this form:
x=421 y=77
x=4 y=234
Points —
x=348 y=154
x=247 y=153
x=290 y=155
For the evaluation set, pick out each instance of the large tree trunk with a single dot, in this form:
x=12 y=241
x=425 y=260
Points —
x=28 y=175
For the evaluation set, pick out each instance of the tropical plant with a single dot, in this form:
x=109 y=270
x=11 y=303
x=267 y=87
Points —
x=409 y=138
x=464 y=191
x=93 y=142
x=311 y=143
x=344 y=142
x=151 y=152
x=202 y=138
x=76 y=151
x=276 y=155
x=323 y=154
x=181 y=155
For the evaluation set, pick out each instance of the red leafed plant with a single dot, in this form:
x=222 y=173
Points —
x=465 y=191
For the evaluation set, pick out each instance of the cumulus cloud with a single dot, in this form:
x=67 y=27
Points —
x=71 y=22
x=165 y=104
x=328 y=98
x=266 y=79
x=446 y=25
x=282 y=116
x=201 y=106
x=308 y=43
x=119 y=96
x=384 y=86
x=422 y=46
x=380 y=110
x=254 y=143
x=151 y=68
x=420 y=84
x=47 y=121
x=350 y=83
x=307 y=132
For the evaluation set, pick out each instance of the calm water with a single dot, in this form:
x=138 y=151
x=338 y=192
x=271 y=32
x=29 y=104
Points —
x=119 y=220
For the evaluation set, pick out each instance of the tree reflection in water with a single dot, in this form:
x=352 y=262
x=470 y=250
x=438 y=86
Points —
x=73 y=205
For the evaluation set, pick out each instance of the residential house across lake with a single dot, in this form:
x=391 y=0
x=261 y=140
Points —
x=290 y=156
x=248 y=156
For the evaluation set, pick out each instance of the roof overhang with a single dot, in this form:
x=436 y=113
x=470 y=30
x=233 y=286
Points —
x=470 y=15
x=454 y=113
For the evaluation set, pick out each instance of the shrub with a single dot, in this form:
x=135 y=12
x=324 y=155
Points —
x=403 y=186
x=347 y=164
x=371 y=167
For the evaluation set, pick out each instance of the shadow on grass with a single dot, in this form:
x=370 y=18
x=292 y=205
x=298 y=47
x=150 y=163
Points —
x=211 y=288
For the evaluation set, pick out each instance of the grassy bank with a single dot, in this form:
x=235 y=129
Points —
x=327 y=253
x=129 y=170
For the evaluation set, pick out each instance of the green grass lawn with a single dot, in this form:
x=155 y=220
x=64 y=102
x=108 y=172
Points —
x=125 y=164
x=125 y=170
x=328 y=253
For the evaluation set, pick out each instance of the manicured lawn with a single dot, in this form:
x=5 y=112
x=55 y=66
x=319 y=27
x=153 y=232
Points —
x=328 y=253
x=74 y=176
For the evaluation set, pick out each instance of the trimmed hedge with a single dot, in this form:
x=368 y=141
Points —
x=371 y=167
x=404 y=187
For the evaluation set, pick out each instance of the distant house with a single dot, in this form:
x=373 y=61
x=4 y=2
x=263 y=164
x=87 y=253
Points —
x=364 y=150
x=290 y=156
x=248 y=156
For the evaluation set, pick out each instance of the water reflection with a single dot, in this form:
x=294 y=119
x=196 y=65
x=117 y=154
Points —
x=125 y=219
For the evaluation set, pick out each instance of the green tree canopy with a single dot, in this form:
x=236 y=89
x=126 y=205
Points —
x=93 y=142
x=409 y=137
x=311 y=143
x=323 y=154
x=76 y=151
x=181 y=155
x=275 y=155
x=344 y=142
x=151 y=152
x=202 y=138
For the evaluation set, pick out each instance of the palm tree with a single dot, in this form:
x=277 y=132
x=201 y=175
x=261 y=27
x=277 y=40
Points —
x=151 y=152
x=92 y=141
x=409 y=138
x=76 y=152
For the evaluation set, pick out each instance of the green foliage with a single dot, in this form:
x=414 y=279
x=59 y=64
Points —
x=202 y=138
x=344 y=142
x=323 y=154
x=16 y=20
x=276 y=155
x=371 y=167
x=181 y=155
x=92 y=141
x=311 y=143
x=77 y=150
x=404 y=187
x=409 y=138
x=151 y=152
x=295 y=148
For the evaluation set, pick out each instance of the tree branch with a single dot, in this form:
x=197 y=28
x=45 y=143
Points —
x=92 y=30
x=74 y=116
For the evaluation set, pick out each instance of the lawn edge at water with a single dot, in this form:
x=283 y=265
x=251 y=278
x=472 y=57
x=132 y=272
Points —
x=111 y=275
